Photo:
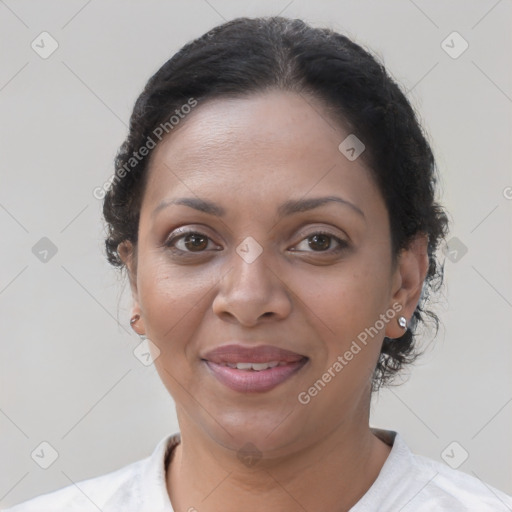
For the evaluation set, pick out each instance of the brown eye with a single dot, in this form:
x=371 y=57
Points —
x=188 y=242
x=322 y=242
x=195 y=242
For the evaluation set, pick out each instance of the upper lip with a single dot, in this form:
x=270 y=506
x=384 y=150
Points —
x=235 y=353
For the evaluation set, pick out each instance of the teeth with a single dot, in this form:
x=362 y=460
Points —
x=254 y=366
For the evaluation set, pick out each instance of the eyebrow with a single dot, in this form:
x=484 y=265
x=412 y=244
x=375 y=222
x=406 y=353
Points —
x=288 y=208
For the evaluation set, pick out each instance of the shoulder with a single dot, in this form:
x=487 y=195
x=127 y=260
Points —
x=410 y=482
x=132 y=487
x=455 y=489
x=91 y=494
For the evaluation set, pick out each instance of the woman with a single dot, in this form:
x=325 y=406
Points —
x=274 y=207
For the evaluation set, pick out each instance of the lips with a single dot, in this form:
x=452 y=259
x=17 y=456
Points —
x=262 y=354
x=253 y=369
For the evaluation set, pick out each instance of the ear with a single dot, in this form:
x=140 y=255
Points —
x=126 y=252
x=408 y=279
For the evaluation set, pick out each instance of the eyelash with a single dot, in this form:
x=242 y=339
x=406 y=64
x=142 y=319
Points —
x=171 y=242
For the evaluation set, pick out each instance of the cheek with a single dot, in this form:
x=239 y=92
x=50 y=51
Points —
x=346 y=306
x=172 y=300
x=171 y=309
x=345 y=299
x=168 y=292
x=175 y=300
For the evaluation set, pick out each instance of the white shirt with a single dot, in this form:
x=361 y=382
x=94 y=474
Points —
x=406 y=483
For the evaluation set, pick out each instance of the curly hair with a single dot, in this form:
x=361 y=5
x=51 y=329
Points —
x=248 y=55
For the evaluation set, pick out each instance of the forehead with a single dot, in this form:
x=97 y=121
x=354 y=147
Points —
x=256 y=122
x=276 y=141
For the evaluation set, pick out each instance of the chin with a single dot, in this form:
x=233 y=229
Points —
x=270 y=435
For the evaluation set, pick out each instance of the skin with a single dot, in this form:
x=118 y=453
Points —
x=250 y=155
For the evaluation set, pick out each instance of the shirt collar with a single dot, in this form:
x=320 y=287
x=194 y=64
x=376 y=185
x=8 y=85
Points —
x=397 y=464
x=154 y=475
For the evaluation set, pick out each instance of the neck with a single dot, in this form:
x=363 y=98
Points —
x=331 y=474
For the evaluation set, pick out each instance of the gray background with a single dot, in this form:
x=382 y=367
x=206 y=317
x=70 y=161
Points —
x=68 y=373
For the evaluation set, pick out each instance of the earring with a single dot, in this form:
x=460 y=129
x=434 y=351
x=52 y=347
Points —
x=402 y=322
x=133 y=320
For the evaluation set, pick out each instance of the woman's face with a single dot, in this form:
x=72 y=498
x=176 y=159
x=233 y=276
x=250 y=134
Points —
x=259 y=270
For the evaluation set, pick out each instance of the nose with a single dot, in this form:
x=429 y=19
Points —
x=252 y=292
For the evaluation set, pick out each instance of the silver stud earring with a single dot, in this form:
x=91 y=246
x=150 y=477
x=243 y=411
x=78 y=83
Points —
x=402 y=322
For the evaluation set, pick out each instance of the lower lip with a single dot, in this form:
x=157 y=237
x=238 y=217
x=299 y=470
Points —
x=251 y=381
